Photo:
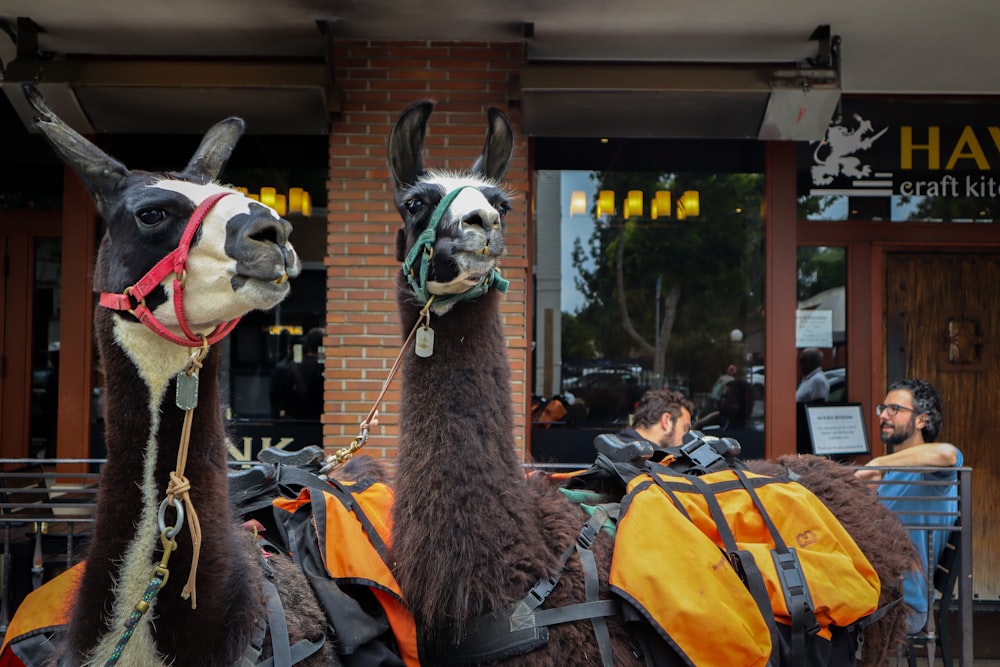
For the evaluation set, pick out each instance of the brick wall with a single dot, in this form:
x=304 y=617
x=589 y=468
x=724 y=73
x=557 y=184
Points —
x=379 y=80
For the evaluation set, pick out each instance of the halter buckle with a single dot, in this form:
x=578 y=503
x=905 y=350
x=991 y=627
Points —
x=140 y=302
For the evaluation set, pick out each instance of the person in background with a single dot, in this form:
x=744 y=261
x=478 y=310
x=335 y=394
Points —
x=910 y=420
x=722 y=381
x=296 y=386
x=734 y=419
x=661 y=417
x=814 y=387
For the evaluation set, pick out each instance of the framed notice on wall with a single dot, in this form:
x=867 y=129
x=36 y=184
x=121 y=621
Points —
x=836 y=430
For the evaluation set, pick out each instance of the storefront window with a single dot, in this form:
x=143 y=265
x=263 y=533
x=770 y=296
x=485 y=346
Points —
x=644 y=280
x=30 y=172
x=45 y=346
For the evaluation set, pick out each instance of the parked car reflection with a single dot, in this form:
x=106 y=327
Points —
x=606 y=395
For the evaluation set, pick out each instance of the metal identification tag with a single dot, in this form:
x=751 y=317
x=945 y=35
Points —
x=187 y=391
x=424 y=344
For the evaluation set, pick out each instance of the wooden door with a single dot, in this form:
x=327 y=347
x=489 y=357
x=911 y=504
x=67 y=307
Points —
x=943 y=325
x=15 y=320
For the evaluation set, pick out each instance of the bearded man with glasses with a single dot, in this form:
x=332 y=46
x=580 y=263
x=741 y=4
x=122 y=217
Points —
x=910 y=419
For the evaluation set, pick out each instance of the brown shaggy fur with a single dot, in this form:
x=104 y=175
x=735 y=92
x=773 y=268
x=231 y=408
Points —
x=876 y=530
x=363 y=466
x=470 y=532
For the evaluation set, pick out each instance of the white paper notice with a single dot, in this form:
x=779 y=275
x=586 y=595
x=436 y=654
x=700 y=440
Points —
x=813 y=328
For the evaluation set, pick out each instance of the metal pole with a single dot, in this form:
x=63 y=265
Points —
x=965 y=582
x=659 y=354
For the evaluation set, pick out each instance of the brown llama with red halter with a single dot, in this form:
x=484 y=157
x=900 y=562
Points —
x=471 y=533
x=182 y=260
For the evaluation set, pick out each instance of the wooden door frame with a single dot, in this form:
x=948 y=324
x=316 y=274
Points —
x=867 y=243
x=76 y=325
x=76 y=224
x=20 y=228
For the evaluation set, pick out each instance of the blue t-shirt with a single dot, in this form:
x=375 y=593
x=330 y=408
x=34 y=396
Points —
x=924 y=500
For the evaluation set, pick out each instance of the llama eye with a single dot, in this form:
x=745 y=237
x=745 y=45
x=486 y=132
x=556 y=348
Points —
x=503 y=209
x=151 y=216
x=413 y=206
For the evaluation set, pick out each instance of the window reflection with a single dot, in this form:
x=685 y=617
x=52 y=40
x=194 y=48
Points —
x=655 y=281
x=898 y=208
x=821 y=340
x=45 y=346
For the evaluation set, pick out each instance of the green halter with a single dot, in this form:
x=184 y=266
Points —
x=425 y=246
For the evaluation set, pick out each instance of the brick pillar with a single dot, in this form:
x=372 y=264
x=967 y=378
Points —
x=379 y=80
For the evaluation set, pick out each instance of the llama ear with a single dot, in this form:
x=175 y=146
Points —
x=499 y=147
x=406 y=144
x=214 y=152
x=99 y=172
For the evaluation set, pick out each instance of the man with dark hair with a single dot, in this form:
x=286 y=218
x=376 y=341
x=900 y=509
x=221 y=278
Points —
x=814 y=387
x=662 y=417
x=911 y=419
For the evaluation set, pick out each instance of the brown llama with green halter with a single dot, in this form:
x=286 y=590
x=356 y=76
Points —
x=471 y=533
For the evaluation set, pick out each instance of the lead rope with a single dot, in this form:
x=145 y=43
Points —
x=158 y=581
x=179 y=485
x=342 y=456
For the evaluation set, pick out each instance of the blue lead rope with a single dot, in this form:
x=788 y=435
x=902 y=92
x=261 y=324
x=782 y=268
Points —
x=133 y=620
x=425 y=246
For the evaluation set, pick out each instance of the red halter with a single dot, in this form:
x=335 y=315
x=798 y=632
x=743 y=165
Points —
x=133 y=299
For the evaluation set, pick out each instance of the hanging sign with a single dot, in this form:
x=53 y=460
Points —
x=883 y=148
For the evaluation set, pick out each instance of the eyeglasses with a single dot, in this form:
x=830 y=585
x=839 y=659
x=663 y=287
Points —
x=892 y=408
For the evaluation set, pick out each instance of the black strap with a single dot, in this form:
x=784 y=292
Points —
x=858 y=627
x=256 y=647
x=700 y=454
x=596 y=609
x=334 y=488
x=536 y=596
x=283 y=654
x=278 y=626
x=742 y=561
x=865 y=622
x=591 y=582
x=793 y=581
x=300 y=650
x=522 y=627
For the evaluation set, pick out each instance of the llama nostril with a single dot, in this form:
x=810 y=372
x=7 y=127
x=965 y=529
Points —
x=266 y=234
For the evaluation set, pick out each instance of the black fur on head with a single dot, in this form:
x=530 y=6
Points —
x=147 y=212
x=470 y=234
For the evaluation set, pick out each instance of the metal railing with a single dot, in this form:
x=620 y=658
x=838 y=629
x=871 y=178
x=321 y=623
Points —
x=957 y=522
x=46 y=508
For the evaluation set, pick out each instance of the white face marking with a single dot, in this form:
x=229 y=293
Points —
x=450 y=180
x=473 y=265
x=209 y=298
